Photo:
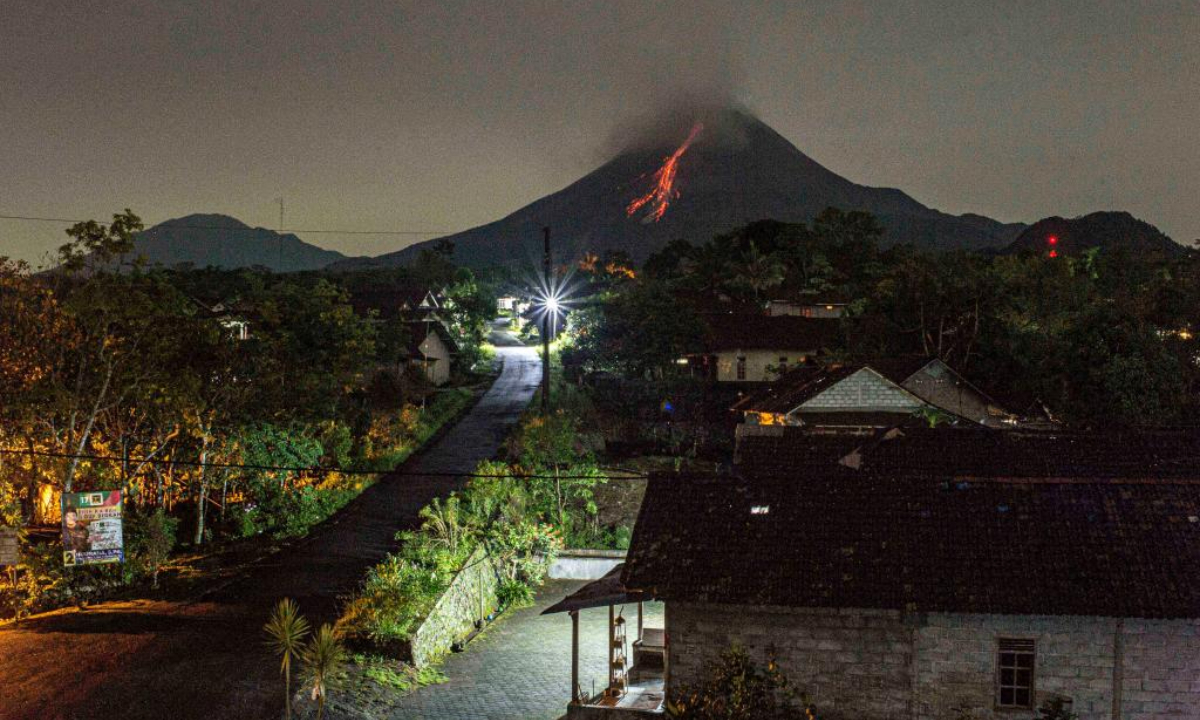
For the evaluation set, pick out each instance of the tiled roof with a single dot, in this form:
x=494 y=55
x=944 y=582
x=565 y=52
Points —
x=389 y=301
x=761 y=332
x=973 y=451
x=796 y=387
x=921 y=537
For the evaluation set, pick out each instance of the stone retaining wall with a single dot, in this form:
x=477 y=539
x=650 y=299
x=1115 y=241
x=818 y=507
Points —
x=470 y=597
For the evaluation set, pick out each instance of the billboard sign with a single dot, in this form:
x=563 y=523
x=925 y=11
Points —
x=92 y=528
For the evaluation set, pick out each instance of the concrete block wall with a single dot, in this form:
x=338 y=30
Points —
x=1160 y=675
x=856 y=662
x=956 y=663
x=878 y=665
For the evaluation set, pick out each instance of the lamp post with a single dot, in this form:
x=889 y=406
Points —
x=551 y=306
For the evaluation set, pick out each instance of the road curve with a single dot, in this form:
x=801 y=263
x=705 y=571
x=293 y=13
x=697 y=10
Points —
x=205 y=658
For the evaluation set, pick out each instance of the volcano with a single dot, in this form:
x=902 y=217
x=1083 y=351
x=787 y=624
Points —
x=729 y=170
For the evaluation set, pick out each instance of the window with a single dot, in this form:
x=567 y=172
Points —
x=1014 y=679
x=741 y=368
x=782 y=365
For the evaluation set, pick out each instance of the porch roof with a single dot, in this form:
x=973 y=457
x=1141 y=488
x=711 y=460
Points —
x=608 y=590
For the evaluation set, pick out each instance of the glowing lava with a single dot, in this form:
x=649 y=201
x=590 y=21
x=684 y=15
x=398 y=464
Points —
x=663 y=191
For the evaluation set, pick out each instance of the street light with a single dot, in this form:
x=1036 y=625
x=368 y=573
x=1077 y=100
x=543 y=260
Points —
x=551 y=305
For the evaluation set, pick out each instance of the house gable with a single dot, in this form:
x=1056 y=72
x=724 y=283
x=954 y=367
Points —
x=865 y=390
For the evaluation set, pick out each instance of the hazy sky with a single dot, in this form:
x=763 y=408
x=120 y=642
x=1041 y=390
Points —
x=444 y=115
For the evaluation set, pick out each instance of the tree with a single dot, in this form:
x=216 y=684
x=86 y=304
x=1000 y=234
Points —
x=323 y=659
x=286 y=631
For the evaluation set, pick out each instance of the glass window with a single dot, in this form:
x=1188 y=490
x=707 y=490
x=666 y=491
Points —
x=1014 y=679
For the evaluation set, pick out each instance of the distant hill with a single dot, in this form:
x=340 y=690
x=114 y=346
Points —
x=1098 y=229
x=222 y=241
x=737 y=170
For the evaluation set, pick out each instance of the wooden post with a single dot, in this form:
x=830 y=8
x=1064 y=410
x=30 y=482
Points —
x=612 y=638
x=639 y=620
x=575 y=656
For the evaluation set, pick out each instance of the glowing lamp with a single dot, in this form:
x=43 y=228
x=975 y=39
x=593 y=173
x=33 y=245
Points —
x=1053 y=253
x=552 y=304
x=1053 y=239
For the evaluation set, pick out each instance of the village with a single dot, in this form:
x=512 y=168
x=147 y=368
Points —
x=599 y=361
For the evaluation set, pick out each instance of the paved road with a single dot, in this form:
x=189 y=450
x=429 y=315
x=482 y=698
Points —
x=520 y=669
x=205 y=659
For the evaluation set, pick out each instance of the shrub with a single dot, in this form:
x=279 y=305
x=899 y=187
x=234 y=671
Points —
x=150 y=542
x=514 y=594
x=736 y=688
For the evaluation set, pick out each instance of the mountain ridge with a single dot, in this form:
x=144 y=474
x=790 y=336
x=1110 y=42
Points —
x=738 y=170
x=211 y=239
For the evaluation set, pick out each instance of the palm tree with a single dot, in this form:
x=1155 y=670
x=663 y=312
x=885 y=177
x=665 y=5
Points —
x=758 y=272
x=323 y=660
x=286 y=631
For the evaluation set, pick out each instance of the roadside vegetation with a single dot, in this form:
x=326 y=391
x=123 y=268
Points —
x=226 y=406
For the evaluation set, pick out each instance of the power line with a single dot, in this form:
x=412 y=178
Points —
x=314 y=470
x=246 y=229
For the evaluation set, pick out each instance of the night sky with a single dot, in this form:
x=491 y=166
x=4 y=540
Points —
x=441 y=116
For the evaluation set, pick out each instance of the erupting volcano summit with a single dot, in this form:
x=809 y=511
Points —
x=729 y=170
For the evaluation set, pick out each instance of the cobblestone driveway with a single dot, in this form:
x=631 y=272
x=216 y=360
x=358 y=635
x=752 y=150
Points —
x=520 y=669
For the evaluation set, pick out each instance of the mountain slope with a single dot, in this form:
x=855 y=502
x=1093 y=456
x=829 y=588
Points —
x=222 y=241
x=1098 y=229
x=737 y=171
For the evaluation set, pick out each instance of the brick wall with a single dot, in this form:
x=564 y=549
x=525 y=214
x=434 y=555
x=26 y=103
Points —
x=876 y=665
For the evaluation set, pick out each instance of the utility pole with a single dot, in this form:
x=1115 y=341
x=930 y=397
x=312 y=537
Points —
x=548 y=310
x=280 y=256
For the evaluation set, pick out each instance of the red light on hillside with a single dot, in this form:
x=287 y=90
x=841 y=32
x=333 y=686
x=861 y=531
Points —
x=1053 y=253
x=1053 y=239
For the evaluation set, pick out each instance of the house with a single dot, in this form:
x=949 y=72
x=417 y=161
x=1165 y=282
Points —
x=411 y=302
x=864 y=396
x=807 y=307
x=230 y=315
x=431 y=349
x=758 y=348
x=941 y=573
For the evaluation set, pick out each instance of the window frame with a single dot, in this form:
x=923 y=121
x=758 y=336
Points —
x=1016 y=646
x=740 y=367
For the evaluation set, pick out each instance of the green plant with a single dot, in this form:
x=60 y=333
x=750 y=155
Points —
x=155 y=541
x=514 y=594
x=286 y=631
x=324 y=658
x=1056 y=708
x=736 y=688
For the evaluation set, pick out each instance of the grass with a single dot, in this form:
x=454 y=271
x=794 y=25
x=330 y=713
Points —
x=376 y=681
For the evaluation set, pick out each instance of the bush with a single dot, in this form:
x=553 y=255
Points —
x=149 y=543
x=736 y=688
x=514 y=594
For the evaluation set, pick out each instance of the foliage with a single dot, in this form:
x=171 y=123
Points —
x=736 y=688
x=514 y=594
x=150 y=540
x=286 y=631
x=1056 y=708
x=150 y=367
x=324 y=661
